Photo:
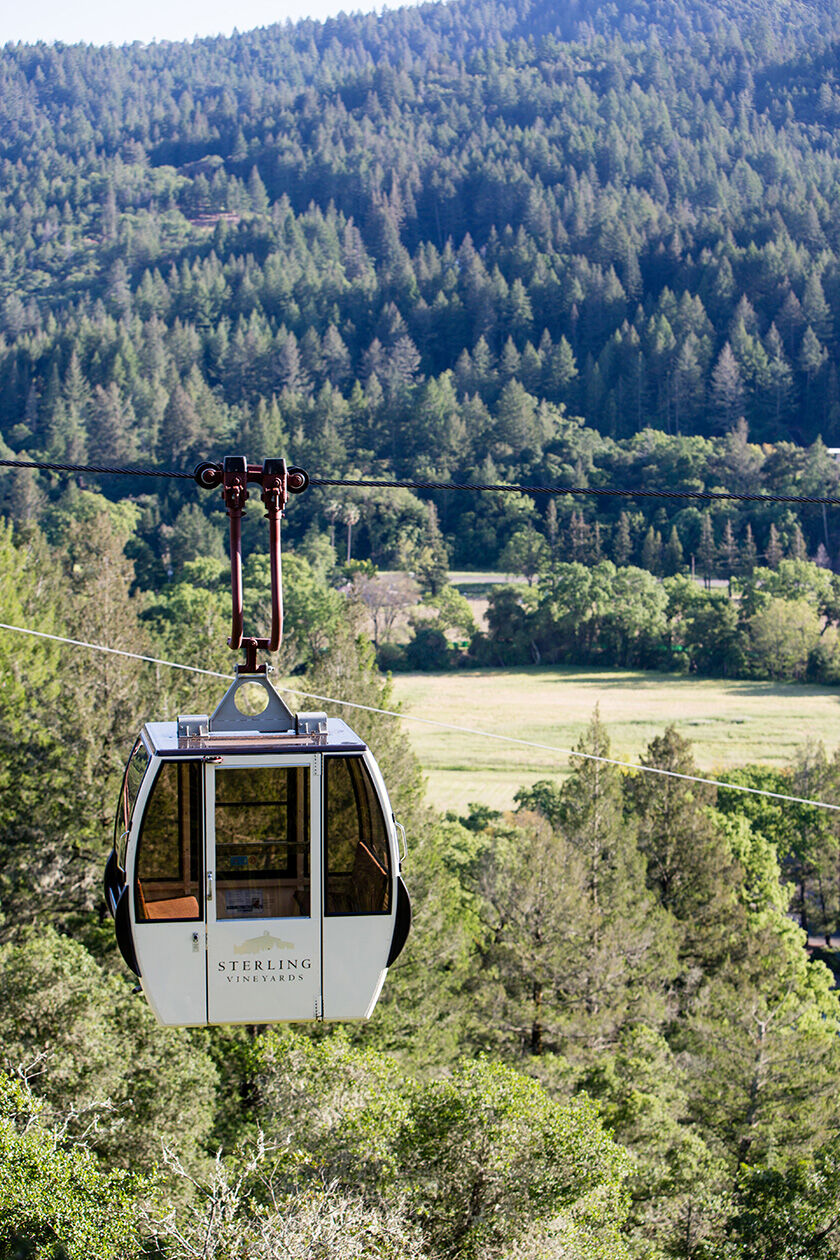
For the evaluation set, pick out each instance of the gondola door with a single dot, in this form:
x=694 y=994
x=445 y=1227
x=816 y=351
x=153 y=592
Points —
x=263 y=889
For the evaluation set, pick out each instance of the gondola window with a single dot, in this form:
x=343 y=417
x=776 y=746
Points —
x=262 y=843
x=357 y=860
x=168 y=867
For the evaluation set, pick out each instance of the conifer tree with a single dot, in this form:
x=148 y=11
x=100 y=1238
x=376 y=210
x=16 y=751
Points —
x=706 y=551
x=797 y=549
x=622 y=543
x=727 y=389
x=728 y=552
x=652 y=551
x=748 y=555
x=551 y=527
x=672 y=554
x=689 y=862
x=773 y=553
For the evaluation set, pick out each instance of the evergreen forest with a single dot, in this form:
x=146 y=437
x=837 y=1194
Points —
x=483 y=241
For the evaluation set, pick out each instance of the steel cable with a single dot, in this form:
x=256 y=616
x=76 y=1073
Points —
x=367 y=483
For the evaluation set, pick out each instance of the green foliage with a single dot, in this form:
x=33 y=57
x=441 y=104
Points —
x=525 y=552
x=597 y=613
x=783 y=635
x=572 y=948
x=480 y=1158
x=426 y=1012
x=678 y=1186
x=101 y=1059
x=453 y=612
x=186 y=267
x=689 y=860
x=56 y=1201
x=312 y=610
x=428 y=649
x=347 y=672
x=492 y=1156
x=790 y=1214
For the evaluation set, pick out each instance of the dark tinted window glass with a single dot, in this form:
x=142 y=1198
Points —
x=357 y=857
x=262 y=842
x=167 y=880
x=133 y=777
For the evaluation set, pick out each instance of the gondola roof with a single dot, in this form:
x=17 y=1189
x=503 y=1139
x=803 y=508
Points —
x=166 y=740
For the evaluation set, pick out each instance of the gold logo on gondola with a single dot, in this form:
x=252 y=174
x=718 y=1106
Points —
x=256 y=944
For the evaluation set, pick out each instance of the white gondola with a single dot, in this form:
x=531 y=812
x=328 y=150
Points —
x=255 y=876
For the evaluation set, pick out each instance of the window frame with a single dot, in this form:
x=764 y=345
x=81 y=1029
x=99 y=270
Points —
x=127 y=804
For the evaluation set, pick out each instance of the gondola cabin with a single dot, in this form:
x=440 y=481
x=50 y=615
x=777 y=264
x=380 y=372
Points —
x=255 y=876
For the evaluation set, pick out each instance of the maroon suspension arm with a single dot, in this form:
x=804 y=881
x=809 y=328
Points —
x=277 y=481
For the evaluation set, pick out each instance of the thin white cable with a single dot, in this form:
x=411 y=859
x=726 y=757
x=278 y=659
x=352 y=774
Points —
x=100 y=647
x=446 y=726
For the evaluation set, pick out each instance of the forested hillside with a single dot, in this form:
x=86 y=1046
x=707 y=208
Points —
x=423 y=243
x=553 y=244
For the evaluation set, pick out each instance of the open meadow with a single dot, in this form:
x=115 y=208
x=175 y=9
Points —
x=729 y=723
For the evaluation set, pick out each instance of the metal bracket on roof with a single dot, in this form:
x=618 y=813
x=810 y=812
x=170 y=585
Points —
x=276 y=717
x=192 y=725
x=311 y=723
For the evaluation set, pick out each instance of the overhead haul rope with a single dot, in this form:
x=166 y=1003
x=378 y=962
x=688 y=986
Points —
x=95 y=468
x=496 y=488
x=446 y=726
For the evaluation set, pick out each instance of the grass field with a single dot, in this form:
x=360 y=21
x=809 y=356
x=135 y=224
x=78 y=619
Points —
x=729 y=723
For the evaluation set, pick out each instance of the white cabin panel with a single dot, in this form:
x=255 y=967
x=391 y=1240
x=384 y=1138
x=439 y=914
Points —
x=173 y=970
x=355 y=952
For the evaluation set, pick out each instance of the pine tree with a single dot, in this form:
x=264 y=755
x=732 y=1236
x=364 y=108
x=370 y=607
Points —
x=797 y=549
x=336 y=356
x=728 y=552
x=689 y=863
x=510 y=360
x=652 y=551
x=672 y=555
x=182 y=430
x=622 y=543
x=257 y=194
x=763 y=1035
x=815 y=308
x=551 y=527
x=812 y=356
x=562 y=370
x=773 y=554
x=597 y=544
x=578 y=538
x=748 y=556
x=706 y=550
x=727 y=389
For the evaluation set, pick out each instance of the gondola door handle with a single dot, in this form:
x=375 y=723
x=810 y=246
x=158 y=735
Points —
x=404 y=846
x=209 y=885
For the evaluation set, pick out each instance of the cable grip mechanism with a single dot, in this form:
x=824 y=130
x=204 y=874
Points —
x=277 y=481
